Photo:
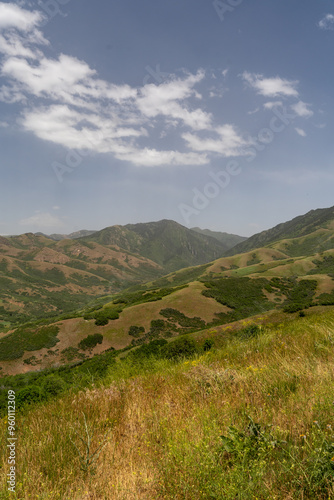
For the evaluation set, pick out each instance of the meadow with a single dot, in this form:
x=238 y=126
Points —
x=250 y=419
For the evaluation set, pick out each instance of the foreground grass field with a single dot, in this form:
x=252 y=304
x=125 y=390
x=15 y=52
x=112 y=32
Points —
x=250 y=420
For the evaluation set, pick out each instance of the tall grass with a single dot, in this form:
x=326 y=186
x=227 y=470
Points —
x=252 y=420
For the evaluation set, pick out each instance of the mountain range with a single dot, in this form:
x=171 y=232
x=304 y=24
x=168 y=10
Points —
x=136 y=283
x=42 y=276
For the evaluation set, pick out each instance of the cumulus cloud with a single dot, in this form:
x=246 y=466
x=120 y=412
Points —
x=64 y=101
x=327 y=22
x=301 y=109
x=19 y=31
x=271 y=87
x=164 y=99
x=43 y=221
x=74 y=108
x=300 y=132
x=13 y=16
x=229 y=142
x=272 y=104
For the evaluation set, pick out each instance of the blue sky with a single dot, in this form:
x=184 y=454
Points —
x=216 y=114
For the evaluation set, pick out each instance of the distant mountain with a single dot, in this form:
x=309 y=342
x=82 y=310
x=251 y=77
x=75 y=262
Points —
x=314 y=229
x=41 y=277
x=228 y=240
x=72 y=236
x=87 y=278
x=165 y=242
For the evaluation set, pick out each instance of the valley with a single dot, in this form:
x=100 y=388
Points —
x=281 y=278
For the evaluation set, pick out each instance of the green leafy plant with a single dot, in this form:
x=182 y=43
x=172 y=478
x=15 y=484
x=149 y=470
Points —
x=243 y=446
x=87 y=456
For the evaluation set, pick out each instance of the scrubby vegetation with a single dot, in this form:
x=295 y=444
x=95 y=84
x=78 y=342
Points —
x=244 y=296
x=252 y=419
x=15 y=344
x=90 y=341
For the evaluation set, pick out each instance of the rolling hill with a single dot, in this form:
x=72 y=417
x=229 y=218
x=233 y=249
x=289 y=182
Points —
x=41 y=277
x=285 y=277
x=229 y=240
x=315 y=228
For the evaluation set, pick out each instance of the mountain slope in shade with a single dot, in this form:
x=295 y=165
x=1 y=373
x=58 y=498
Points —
x=165 y=242
x=229 y=240
x=318 y=221
x=72 y=236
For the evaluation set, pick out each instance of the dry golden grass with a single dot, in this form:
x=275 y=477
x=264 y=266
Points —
x=166 y=419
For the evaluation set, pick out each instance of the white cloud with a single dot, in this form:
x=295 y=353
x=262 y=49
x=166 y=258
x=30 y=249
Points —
x=229 y=143
x=271 y=87
x=272 y=104
x=301 y=109
x=73 y=129
x=19 y=31
x=153 y=158
x=4 y=124
x=327 y=22
x=253 y=112
x=321 y=125
x=13 y=16
x=300 y=132
x=68 y=104
x=154 y=100
x=42 y=220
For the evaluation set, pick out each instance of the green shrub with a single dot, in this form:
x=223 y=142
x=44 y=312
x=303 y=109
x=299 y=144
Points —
x=29 y=395
x=103 y=316
x=153 y=348
x=177 y=316
x=179 y=348
x=53 y=385
x=292 y=308
x=249 y=332
x=101 y=321
x=136 y=331
x=90 y=341
x=208 y=344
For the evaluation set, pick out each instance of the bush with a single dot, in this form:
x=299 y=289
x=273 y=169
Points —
x=135 y=331
x=208 y=344
x=249 y=332
x=101 y=321
x=179 y=348
x=176 y=316
x=53 y=385
x=292 y=308
x=90 y=341
x=103 y=316
x=153 y=348
x=29 y=395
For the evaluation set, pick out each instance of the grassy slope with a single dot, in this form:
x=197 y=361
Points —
x=40 y=277
x=312 y=222
x=162 y=423
x=190 y=301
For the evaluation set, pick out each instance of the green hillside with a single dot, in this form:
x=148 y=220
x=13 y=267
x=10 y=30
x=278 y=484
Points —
x=319 y=222
x=244 y=414
x=41 y=277
x=229 y=240
x=225 y=292
x=128 y=299
x=165 y=242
